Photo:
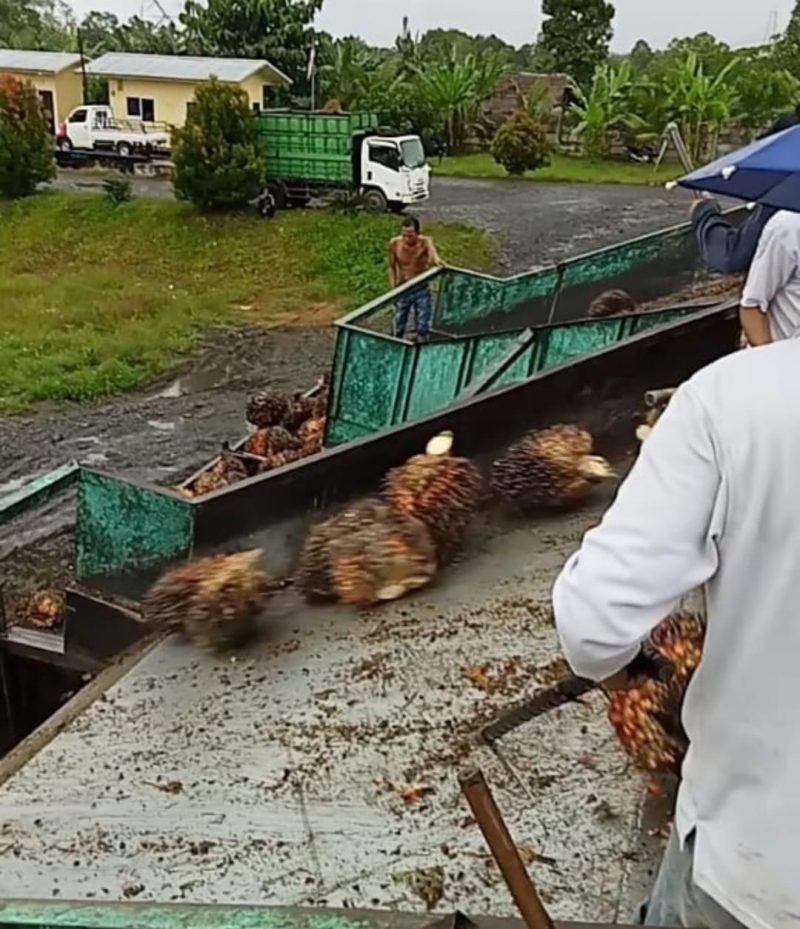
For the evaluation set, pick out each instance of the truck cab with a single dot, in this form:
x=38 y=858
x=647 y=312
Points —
x=391 y=171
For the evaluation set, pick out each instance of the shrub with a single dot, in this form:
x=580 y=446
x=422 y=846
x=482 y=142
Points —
x=217 y=158
x=118 y=190
x=26 y=143
x=521 y=145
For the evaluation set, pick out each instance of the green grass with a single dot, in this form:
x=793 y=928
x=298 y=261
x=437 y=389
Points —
x=97 y=299
x=563 y=169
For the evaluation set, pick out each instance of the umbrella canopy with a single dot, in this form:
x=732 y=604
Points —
x=768 y=172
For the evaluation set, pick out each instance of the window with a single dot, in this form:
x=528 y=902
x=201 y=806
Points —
x=79 y=116
x=143 y=108
x=385 y=155
x=413 y=153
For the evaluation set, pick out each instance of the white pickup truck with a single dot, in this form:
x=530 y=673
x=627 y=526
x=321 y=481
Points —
x=94 y=127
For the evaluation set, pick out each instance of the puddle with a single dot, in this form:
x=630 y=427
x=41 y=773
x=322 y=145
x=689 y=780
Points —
x=196 y=382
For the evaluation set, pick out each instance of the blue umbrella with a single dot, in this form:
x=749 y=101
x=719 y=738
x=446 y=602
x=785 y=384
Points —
x=768 y=172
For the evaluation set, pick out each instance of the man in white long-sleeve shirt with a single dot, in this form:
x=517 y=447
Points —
x=714 y=499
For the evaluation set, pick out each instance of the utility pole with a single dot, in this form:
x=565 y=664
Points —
x=84 y=75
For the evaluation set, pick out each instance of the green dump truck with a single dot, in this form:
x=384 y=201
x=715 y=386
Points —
x=312 y=154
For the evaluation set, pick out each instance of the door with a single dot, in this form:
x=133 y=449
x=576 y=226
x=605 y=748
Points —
x=48 y=108
x=381 y=168
x=78 y=128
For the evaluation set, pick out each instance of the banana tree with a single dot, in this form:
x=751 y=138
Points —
x=605 y=108
x=699 y=103
x=451 y=91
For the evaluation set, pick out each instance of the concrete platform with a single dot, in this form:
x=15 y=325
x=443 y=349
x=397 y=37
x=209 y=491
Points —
x=278 y=778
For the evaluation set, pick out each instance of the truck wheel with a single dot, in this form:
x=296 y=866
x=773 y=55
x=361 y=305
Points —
x=375 y=201
x=278 y=193
x=124 y=149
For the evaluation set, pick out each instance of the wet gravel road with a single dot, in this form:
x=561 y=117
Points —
x=533 y=224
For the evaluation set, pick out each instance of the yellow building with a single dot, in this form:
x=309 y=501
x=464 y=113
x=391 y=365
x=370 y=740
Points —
x=161 y=88
x=55 y=75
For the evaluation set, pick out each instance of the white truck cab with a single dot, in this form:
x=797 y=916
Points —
x=394 y=172
x=95 y=127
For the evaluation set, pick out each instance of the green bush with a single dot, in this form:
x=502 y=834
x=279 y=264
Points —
x=218 y=163
x=521 y=145
x=118 y=190
x=26 y=144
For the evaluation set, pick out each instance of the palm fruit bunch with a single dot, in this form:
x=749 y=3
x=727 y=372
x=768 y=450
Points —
x=268 y=408
x=551 y=467
x=647 y=719
x=365 y=555
x=288 y=427
x=612 y=303
x=438 y=489
x=44 y=610
x=312 y=435
x=382 y=561
x=213 y=601
x=227 y=470
x=272 y=441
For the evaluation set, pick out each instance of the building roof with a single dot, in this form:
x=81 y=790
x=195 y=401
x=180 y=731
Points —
x=180 y=67
x=12 y=59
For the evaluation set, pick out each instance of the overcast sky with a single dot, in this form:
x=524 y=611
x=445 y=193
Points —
x=739 y=22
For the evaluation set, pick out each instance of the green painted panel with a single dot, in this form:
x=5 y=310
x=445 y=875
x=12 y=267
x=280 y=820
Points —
x=177 y=916
x=38 y=490
x=572 y=341
x=435 y=383
x=369 y=386
x=521 y=369
x=467 y=298
x=651 y=320
x=489 y=351
x=123 y=526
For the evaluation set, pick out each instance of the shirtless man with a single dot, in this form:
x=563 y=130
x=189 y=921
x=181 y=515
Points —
x=410 y=255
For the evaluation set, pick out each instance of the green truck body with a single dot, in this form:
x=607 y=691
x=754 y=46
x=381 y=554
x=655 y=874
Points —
x=312 y=147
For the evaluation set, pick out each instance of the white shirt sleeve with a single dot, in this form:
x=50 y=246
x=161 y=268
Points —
x=655 y=544
x=773 y=266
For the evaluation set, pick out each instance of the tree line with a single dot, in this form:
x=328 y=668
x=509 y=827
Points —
x=435 y=83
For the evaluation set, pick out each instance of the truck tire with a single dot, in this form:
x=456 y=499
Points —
x=278 y=193
x=375 y=201
x=124 y=149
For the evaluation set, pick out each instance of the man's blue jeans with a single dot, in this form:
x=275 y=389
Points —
x=420 y=301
